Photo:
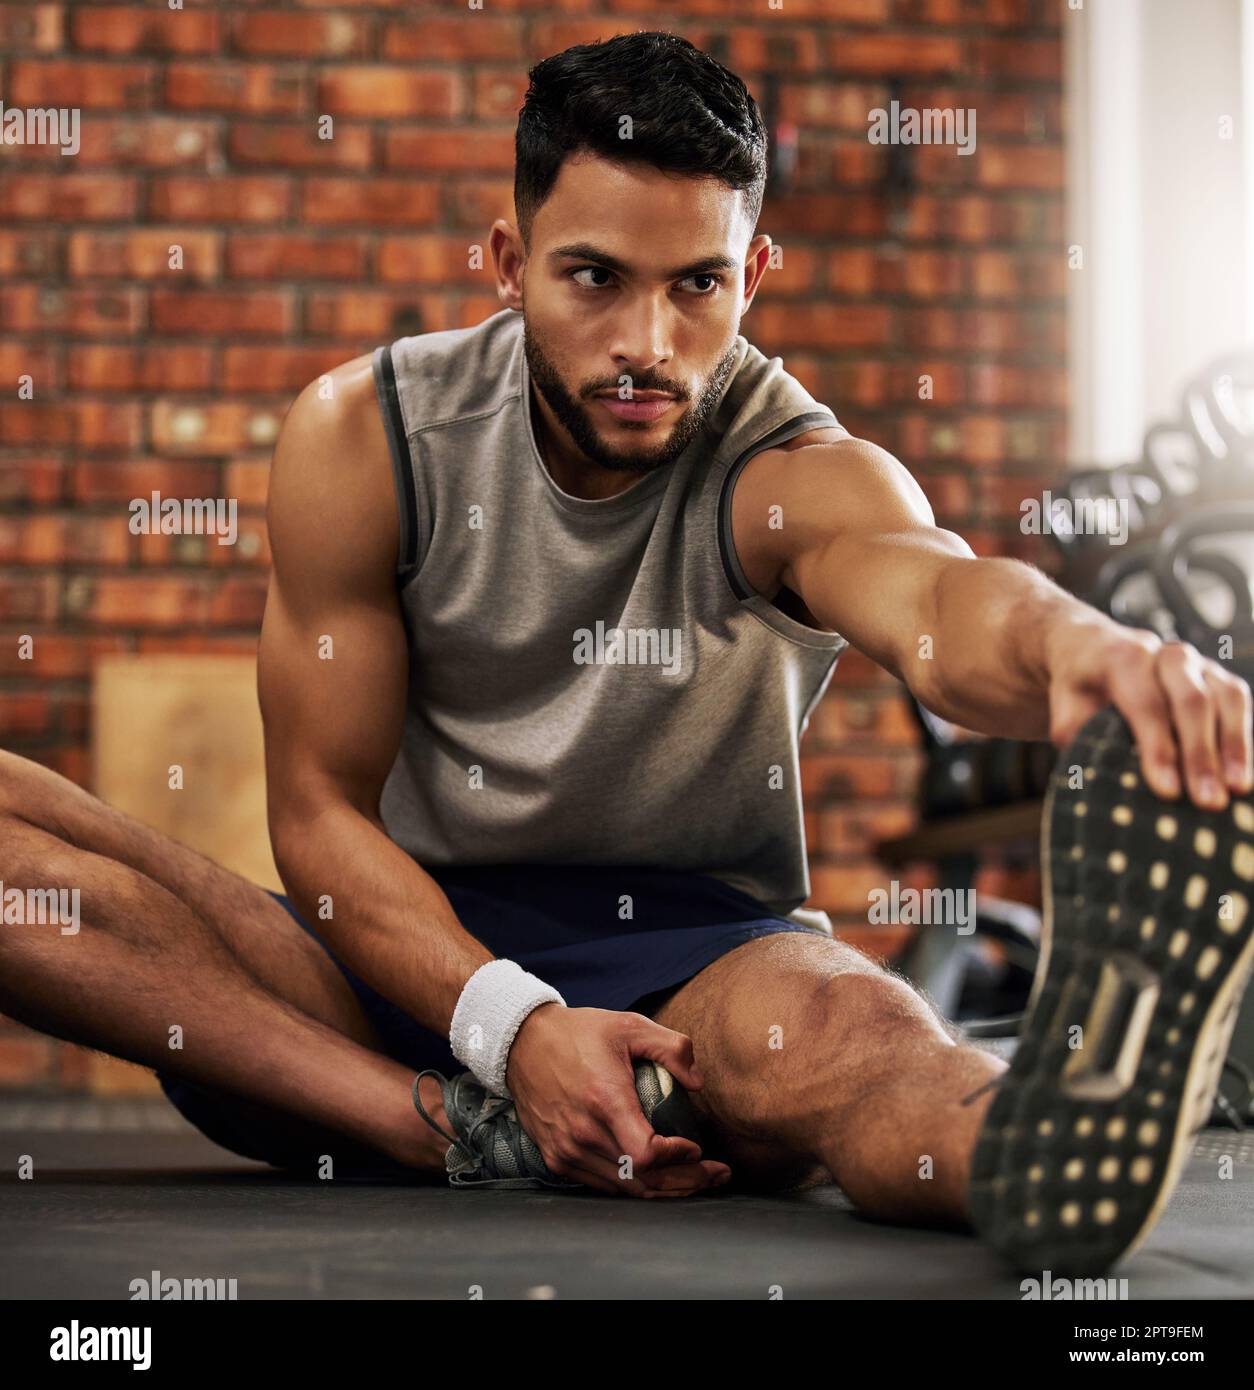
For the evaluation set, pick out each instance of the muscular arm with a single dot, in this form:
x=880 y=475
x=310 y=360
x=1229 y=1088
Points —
x=991 y=644
x=333 y=726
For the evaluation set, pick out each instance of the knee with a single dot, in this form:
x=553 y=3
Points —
x=870 y=1006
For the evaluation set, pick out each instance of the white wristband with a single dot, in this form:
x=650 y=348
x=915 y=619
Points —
x=493 y=1005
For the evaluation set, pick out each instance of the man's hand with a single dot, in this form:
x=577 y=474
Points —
x=571 y=1075
x=1188 y=715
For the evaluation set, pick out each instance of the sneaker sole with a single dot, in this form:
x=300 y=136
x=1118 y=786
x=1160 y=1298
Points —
x=1146 y=947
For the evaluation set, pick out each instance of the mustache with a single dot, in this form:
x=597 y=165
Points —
x=670 y=387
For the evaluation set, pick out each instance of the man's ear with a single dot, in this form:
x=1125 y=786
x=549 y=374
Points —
x=757 y=260
x=508 y=256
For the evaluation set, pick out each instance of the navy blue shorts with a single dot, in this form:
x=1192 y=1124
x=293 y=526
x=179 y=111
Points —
x=565 y=923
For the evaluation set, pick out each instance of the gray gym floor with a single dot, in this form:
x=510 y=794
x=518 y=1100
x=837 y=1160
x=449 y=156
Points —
x=124 y=1188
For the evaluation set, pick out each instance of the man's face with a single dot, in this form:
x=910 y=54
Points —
x=632 y=296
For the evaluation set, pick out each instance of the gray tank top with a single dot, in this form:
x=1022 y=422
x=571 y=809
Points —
x=591 y=681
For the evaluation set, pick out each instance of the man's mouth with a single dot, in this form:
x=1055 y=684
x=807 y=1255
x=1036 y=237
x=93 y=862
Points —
x=643 y=405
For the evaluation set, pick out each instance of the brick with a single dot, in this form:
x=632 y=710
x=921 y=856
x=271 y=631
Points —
x=24 y=1061
x=452 y=40
x=131 y=29
x=474 y=308
x=373 y=202
x=159 y=553
x=305 y=36
x=816 y=214
x=388 y=91
x=757 y=50
x=477 y=203
x=374 y=316
x=846 y=105
x=852 y=325
x=1021 y=166
x=28 y=598
x=253 y=88
x=210 y=428
x=883 y=54
x=92 y=86
x=29 y=28
x=140 y=601
x=225 y=313
x=150 y=142
x=89 y=313
x=291 y=255
x=50 y=538
x=279 y=369
x=37 y=480
x=239 y=601
x=28 y=253
x=293 y=145
x=498 y=94
x=846 y=888
x=97 y=483
x=249 y=481
x=144 y=254
x=1001 y=275
x=554 y=36
x=84 y=424
x=797 y=271
x=431 y=260
x=237 y=198
x=26 y=359
x=68 y=197
x=448 y=150
x=160 y=644
x=55 y=655
x=1020 y=59
x=117 y=367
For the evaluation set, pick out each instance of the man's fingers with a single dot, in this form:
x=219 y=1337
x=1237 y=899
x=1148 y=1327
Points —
x=1144 y=704
x=673 y=1050
x=1236 y=741
x=1181 y=675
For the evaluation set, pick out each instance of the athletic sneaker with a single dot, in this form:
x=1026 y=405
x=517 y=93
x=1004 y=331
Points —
x=1146 y=949
x=490 y=1148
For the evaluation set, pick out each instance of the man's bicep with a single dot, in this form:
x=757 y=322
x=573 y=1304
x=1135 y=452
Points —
x=332 y=665
x=870 y=558
x=331 y=681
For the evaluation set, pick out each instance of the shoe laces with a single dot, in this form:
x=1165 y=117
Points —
x=489 y=1115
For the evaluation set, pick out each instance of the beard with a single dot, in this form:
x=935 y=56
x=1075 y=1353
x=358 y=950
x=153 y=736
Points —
x=574 y=415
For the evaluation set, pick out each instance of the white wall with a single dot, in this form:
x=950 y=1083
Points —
x=1161 y=205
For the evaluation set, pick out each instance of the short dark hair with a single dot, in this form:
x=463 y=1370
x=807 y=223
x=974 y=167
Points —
x=689 y=115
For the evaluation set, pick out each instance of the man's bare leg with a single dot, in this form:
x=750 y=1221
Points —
x=818 y=1062
x=170 y=939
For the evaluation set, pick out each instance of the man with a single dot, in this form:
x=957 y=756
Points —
x=553 y=599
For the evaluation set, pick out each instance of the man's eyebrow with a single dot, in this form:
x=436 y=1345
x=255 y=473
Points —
x=585 y=251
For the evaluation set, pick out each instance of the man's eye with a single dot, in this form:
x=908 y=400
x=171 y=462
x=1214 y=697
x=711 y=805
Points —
x=704 y=275
x=589 y=270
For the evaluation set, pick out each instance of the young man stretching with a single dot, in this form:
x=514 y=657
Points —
x=553 y=599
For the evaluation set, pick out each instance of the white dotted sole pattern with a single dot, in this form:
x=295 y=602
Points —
x=1147 y=945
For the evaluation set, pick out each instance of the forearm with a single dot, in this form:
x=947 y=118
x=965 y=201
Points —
x=995 y=621
x=380 y=912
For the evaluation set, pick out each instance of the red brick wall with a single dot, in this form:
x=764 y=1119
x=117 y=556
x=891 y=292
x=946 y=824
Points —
x=199 y=129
